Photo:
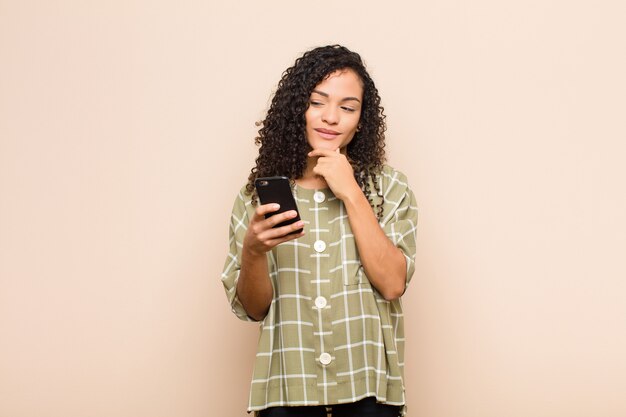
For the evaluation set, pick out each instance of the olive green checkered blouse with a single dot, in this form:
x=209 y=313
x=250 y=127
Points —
x=329 y=337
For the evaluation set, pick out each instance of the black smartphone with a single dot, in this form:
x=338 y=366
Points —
x=277 y=190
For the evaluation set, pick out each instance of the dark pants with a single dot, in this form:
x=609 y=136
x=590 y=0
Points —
x=367 y=407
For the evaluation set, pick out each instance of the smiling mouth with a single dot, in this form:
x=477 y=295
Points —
x=327 y=134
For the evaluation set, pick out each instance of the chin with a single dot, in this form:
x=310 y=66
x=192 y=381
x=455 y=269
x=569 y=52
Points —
x=328 y=145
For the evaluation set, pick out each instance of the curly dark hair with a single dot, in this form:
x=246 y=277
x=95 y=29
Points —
x=282 y=136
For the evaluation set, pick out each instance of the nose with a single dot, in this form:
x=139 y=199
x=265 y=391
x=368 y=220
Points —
x=330 y=115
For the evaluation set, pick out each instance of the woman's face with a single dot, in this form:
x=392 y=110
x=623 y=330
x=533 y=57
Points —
x=334 y=111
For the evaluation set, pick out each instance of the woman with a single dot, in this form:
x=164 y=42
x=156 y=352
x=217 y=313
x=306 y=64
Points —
x=328 y=298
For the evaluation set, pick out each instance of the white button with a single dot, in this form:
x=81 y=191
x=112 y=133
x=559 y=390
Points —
x=319 y=197
x=325 y=358
x=320 y=302
x=319 y=246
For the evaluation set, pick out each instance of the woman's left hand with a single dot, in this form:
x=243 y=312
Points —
x=336 y=170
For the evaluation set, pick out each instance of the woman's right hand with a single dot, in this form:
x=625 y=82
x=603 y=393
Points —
x=261 y=236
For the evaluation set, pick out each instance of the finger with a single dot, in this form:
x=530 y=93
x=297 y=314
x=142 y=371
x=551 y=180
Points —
x=279 y=218
x=264 y=209
x=286 y=238
x=320 y=171
x=270 y=237
x=285 y=230
x=263 y=229
x=322 y=152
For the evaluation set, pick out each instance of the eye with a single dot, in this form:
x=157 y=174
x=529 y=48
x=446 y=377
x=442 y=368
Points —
x=348 y=109
x=315 y=103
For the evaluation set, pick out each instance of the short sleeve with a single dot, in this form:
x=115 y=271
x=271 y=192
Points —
x=230 y=275
x=399 y=220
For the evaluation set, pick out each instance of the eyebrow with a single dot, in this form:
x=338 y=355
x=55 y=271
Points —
x=321 y=93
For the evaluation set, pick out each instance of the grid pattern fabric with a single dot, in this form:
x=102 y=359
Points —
x=329 y=336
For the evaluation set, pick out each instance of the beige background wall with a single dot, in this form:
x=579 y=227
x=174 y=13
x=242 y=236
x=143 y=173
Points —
x=126 y=129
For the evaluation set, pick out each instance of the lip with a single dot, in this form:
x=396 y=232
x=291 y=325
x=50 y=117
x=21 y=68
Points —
x=326 y=133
